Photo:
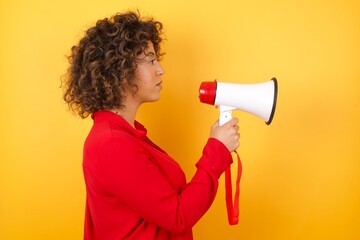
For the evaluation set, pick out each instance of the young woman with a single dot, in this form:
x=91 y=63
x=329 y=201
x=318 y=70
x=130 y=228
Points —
x=134 y=190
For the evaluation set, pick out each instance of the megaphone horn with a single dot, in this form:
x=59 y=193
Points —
x=258 y=99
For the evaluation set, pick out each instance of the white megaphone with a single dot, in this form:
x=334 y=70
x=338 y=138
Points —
x=258 y=99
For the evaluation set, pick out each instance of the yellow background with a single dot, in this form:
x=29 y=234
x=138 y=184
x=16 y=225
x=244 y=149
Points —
x=301 y=174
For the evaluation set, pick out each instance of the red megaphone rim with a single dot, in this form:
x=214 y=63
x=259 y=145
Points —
x=207 y=92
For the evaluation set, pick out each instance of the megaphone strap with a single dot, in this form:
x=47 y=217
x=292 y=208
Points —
x=233 y=208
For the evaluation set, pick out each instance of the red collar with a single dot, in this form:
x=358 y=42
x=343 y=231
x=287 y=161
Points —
x=119 y=122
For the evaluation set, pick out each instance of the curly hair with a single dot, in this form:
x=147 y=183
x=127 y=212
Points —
x=105 y=60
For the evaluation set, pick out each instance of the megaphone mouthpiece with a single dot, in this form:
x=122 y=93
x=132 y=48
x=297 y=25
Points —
x=207 y=92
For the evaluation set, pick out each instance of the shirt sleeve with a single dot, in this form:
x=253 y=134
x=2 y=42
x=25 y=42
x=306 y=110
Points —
x=128 y=173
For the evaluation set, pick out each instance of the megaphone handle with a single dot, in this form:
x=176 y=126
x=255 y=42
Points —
x=225 y=114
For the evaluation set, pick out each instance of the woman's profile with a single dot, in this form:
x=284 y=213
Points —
x=134 y=189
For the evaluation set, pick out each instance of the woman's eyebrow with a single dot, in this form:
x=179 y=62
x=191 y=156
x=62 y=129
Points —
x=150 y=54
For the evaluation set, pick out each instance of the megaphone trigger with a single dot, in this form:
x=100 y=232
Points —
x=225 y=114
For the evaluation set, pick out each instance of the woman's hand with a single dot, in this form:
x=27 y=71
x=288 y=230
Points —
x=227 y=134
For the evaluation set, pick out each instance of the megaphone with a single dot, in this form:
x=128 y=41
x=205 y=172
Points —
x=258 y=99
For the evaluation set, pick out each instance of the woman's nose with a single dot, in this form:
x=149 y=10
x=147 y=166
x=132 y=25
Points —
x=160 y=70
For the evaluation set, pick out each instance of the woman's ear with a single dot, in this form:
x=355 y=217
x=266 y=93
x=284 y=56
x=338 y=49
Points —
x=131 y=87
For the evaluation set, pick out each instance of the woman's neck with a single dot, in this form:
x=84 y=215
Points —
x=128 y=112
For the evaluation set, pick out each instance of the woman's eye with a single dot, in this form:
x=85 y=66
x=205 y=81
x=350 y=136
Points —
x=152 y=61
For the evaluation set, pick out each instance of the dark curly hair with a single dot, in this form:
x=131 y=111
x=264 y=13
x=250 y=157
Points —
x=105 y=60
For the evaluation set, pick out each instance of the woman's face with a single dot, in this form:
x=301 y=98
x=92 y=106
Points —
x=148 y=77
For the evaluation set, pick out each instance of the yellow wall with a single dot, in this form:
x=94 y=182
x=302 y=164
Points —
x=301 y=176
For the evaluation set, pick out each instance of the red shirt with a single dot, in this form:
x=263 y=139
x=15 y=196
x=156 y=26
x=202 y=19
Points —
x=134 y=190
